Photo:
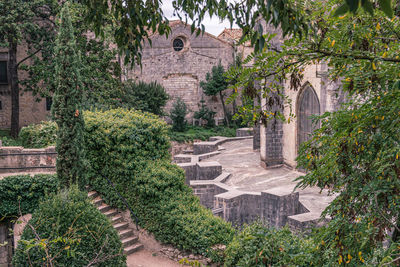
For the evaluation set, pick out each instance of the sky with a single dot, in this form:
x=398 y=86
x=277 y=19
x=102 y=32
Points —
x=212 y=25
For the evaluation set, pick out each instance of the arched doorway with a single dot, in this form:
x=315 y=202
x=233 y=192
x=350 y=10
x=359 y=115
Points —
x=307 y=105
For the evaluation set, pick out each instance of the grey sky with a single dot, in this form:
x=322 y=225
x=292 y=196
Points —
x=213 y=26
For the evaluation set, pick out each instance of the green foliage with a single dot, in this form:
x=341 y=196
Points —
x=131 y=148
x=132 y=30
x=39 y=135
x=117 y=141
x=215 y=81
x=200 y=133
x=149 y=97
x=356 y=153
x=21 y=194
x=67 y=107
x=215 y=84
x=177 y=114
x=205 y=114
x=67 y=230
x=258 y=245
x=167 y=208
x=7 y=140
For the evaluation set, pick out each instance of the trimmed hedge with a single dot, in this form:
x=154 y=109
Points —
x=73 y=232
x=22 y=193
x=39 y=135
x=117 y=141
x=131 y=149
x=258 y=245
x=168 y=209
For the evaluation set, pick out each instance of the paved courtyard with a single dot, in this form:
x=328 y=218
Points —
x=239 y=159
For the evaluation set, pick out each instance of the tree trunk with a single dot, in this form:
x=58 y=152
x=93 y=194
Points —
x=224 y=108
x=13 y=70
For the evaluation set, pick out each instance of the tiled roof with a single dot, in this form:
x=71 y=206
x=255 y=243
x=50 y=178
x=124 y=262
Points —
x=231 y=34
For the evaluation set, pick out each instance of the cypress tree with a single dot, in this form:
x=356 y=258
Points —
x=67 y=106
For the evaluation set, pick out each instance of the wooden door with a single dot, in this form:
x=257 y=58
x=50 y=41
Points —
x=308 y=105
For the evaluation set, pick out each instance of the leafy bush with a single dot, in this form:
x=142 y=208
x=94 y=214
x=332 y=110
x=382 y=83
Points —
x=149 y=97
x=205 y=114
x=39 y=135
x=200 y=133
x=67 y=230
x=117 y=141
x=131 y=148
x=22 y=193
x=178 y=114
x=258 y=245
x=168 y=209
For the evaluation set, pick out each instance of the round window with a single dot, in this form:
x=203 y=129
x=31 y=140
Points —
x=178 y=44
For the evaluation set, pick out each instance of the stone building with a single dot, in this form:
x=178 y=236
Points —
x=279 y=143
x=31 y=111
x=181 y=61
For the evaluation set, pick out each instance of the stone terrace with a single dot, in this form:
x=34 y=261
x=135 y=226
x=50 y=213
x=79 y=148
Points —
x=227 y=176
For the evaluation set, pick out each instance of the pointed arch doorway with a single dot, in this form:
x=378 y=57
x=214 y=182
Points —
x=307 y=105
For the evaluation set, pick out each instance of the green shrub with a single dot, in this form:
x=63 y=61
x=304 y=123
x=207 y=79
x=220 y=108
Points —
x=258 y=245
x=205 y=114
x=200 y=133
x=177 y=114
x=39 y=135
x=69 y=231
x=168 y=209
x=22 y=193
x=117 y=141
x=149 y=97
x=131 y=149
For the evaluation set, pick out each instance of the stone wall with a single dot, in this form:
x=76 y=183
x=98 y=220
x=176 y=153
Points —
x=181 y=72
x=278 y=206
x=5 y=251
x=19 y=159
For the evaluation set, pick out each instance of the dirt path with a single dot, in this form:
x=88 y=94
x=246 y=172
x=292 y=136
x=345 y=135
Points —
x=145 y=258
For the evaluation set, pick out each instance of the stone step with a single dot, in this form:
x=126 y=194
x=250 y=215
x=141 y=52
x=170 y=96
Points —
x=93 y=194
x=129 y=250
x=128 y=238
x=97 y=201
x=120 y=226
x=125 y=233
x=103 y=208
x=116 y=219
x=110 y=213
x=126 y=242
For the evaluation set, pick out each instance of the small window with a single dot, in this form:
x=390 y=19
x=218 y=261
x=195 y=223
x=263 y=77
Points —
x=178 y=44
x=3 y=72
x=49 y=102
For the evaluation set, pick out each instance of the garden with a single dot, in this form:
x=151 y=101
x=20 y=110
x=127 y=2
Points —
x=355 y=152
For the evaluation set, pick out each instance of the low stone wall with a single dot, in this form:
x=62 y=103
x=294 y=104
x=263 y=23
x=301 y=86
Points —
x=278 y=207
x=19 y=159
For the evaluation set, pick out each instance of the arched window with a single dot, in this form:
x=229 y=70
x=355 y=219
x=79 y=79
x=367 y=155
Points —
x=307 y=105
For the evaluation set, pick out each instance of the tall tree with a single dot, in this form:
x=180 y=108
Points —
x=67 y=106
x=28 y=23
x=216 y=84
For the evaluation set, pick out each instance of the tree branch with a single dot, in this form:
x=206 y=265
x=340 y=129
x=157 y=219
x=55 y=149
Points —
x=28 y=57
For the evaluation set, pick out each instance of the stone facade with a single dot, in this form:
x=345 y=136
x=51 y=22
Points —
x=180 y=72
x=279 y=145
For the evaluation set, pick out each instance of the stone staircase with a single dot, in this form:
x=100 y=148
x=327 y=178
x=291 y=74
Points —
x=129 y=240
